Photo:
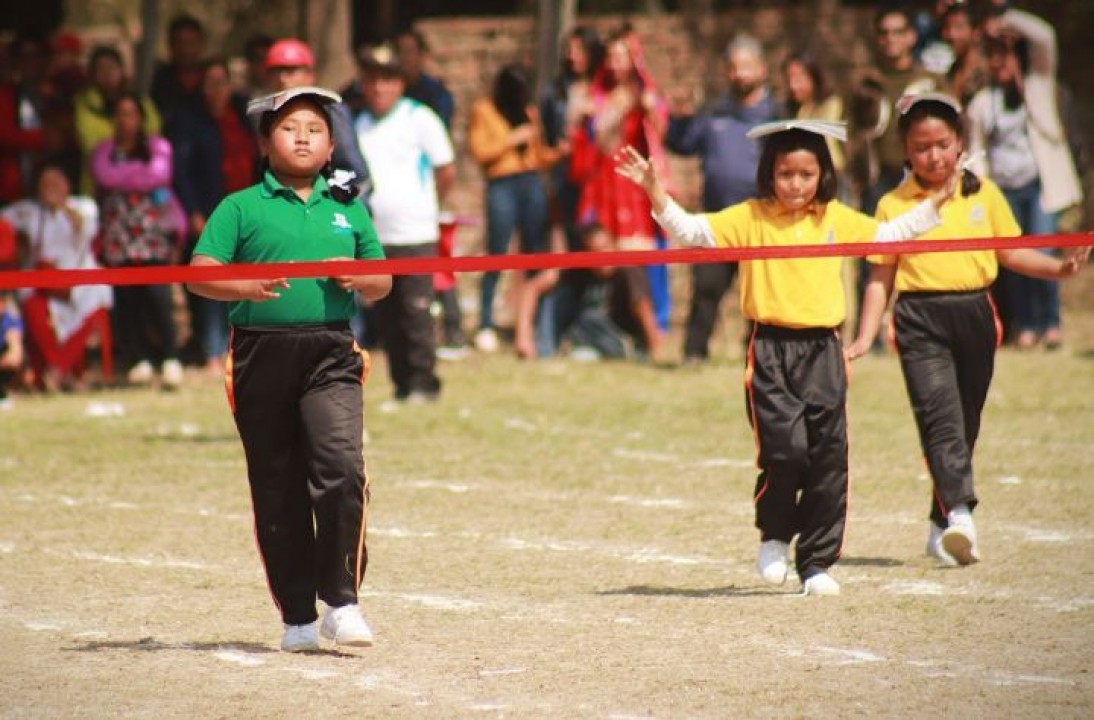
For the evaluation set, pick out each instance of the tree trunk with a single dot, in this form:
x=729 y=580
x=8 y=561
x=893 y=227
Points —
x=145 y=59
x=331 y=41
x=554 y=20
x=697 y=15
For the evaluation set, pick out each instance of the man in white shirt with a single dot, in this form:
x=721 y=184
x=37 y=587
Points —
x=411 y=156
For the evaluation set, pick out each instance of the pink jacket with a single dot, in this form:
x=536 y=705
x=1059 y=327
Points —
x=137 y=176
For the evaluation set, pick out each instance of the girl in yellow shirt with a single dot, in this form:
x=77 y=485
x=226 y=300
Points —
x=945 y=325
x=795 y=377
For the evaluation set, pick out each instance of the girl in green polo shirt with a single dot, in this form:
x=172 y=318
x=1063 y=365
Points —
x=294 y=374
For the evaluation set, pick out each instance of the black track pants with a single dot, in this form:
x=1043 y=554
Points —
x=947 y=345
x=296 y=394
x=796 y=387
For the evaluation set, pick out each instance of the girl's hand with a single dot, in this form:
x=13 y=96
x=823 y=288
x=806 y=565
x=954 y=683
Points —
x=346 y=282
x=941 y=196
x=263 y=290
x=1070 y=266
x=855 y=350
x=1079 y=254
x=630 y=164
x=522 y=135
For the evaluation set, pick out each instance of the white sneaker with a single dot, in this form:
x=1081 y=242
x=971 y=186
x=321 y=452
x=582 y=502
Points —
x=141 y=373
x=935 y=549
x=959 y=539
x=345 y=626
x=486 y=340
x=821 y=584
x=772 y=562
x=172 y=374
x=452 y=352
x=300 y=638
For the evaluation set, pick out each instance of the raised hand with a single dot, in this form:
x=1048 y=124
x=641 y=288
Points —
x=630 y=164
x=941 y=196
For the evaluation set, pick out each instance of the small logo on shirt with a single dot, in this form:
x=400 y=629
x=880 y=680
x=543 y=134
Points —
x=831 y=237
x=977 y=214
x=340 y=221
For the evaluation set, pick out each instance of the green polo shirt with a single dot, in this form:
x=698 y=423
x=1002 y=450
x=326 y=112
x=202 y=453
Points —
x=269 y=223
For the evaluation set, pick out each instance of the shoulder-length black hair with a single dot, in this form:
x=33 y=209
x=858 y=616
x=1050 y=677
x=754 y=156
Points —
x=512 y=94
x=790 y=141
x=141 y=149
x=970 y=183
x=594 y=52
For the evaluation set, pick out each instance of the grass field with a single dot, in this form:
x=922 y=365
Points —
x=553 y=539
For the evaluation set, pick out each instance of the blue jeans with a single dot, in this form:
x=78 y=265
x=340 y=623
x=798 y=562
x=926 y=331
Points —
x=1034 y=302
x=513 y=202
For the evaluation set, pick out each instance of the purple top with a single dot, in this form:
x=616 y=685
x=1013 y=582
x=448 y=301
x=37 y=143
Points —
x=132 y=175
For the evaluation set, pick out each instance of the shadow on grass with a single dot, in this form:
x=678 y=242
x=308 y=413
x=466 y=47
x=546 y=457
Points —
x=727 y=591
x=870 y=562
x=149 y=644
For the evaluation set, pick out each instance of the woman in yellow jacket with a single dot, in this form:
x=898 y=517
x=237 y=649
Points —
x=505 y=137
x=94 y=107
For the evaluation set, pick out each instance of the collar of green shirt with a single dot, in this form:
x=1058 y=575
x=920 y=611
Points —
x=272 y=187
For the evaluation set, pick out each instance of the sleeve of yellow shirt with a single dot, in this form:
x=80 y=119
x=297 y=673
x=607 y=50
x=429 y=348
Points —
x=852 y=226
x=1003 y=223
x=731 y=225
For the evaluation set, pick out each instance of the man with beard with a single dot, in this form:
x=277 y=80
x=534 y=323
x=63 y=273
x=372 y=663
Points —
x=729 y=160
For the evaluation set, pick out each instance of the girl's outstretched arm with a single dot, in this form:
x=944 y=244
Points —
x=1038 y=265
x=682 y=227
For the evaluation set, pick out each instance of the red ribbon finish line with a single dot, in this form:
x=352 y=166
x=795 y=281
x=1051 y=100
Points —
x=160 y=274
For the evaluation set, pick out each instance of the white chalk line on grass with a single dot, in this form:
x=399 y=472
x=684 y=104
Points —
x=844 y=656
x=430 y=601
x=674 y=459
x=238 y=657
x=135 y=561
x=916 y=587
x=639 y=555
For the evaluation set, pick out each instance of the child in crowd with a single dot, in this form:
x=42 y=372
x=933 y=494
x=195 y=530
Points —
x=11 y=347
x=945 y=324
x=795 y=378
x=294 y=372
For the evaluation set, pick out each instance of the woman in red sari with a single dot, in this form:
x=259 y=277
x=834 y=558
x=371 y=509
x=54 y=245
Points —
x=624 y=109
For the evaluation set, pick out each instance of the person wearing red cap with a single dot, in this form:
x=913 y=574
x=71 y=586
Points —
x=289 y=64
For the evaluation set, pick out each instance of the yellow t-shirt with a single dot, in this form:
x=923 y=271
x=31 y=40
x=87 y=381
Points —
x=985 y=214
x=791 y=292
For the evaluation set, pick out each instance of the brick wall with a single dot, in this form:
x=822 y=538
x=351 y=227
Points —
x=466 y=52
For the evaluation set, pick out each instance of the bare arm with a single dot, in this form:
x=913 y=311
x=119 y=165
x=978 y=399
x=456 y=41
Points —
x=874 y=302
x=1034 y=264
x=253 y=290
x=371 y=287
x=444 y=177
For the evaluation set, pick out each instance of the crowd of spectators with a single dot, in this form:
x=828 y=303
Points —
x=93 y=174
